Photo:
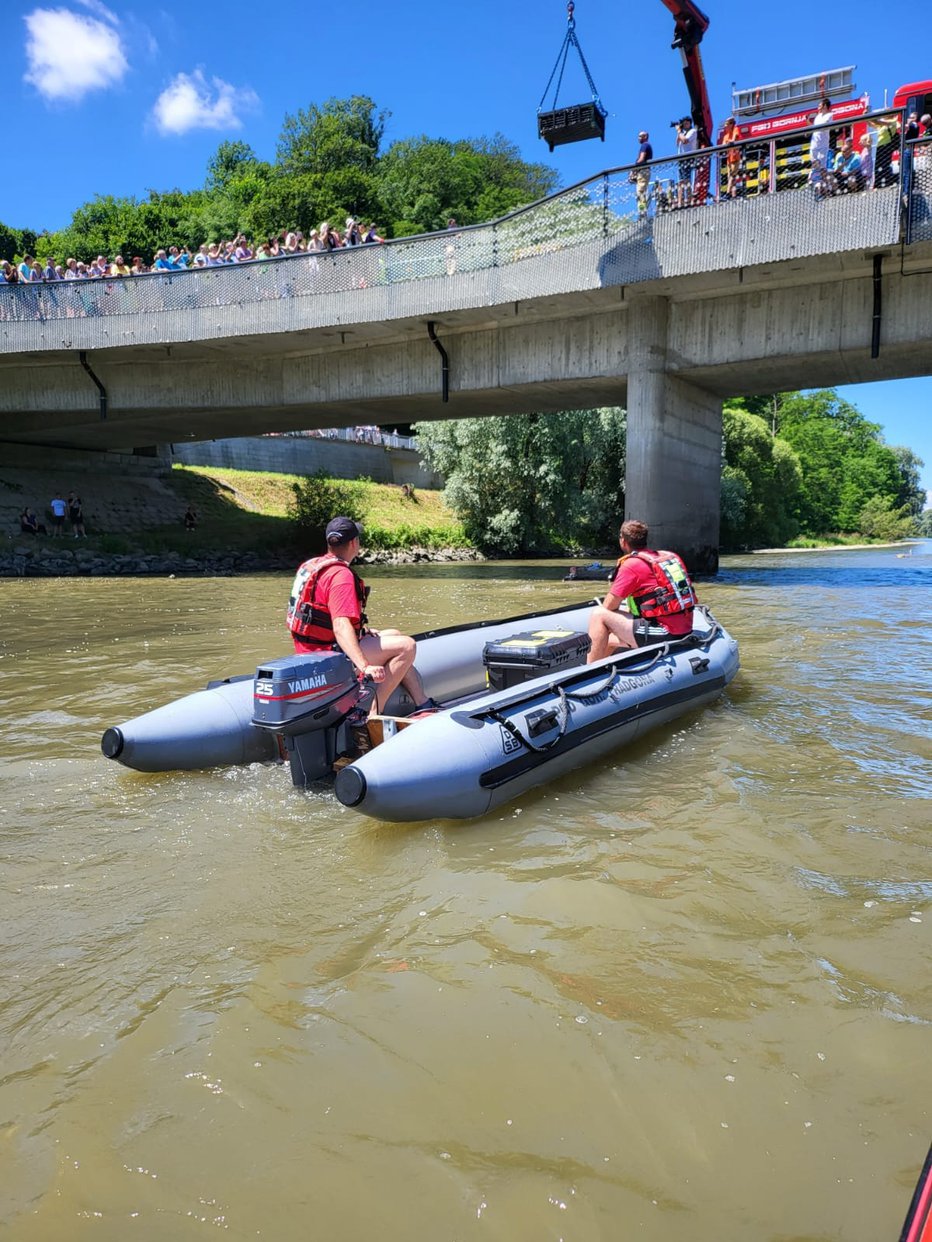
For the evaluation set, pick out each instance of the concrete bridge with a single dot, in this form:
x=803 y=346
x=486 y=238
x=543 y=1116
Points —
x=588 y=298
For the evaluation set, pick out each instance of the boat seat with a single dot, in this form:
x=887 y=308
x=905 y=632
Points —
x=382 y=727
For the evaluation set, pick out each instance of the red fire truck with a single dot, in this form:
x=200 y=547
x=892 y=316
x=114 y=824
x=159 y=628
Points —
x=775 y=113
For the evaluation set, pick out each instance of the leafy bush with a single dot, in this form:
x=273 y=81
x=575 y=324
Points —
x=532 y=483
x=317 y=499
x=383 y=539
x=879 y=520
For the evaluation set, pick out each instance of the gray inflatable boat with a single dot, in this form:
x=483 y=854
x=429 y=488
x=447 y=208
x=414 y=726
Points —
x=519 y=707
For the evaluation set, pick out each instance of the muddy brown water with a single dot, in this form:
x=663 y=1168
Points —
x=684 y=991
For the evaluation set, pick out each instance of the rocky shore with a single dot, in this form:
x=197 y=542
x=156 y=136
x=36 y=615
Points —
x=54 y=559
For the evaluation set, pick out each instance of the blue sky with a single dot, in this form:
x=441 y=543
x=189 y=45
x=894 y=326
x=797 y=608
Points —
x=118 y=98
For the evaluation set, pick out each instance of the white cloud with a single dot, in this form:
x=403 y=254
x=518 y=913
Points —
x=101 y=10
x=190 y=102
x=70 y=54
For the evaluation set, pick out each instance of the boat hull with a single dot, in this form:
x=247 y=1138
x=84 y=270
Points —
x=484 y=748
x=469 y=760
x=213 y=727
x=208 y=729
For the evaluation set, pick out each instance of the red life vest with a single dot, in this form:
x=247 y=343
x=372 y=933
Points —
x=673 y=592
x=308 y=618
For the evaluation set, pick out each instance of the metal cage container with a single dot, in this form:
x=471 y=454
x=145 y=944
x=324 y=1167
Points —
x=573 y=124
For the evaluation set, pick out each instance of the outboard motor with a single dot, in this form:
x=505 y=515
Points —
x=306 y=699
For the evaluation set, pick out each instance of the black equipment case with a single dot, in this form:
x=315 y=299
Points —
x=573 y=124
x=532 y=653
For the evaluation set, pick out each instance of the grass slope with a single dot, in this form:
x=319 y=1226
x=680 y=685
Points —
x=240 y=510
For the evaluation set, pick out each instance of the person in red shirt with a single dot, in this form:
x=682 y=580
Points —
x=655 y=591
x=327 y=610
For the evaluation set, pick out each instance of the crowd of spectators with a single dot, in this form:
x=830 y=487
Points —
x=182 y=258
x=358 y=435
x=832 y=161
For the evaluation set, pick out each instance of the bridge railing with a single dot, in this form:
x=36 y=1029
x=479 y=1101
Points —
x=918 y=190
x=753 y=202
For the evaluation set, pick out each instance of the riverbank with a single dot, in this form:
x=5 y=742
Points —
x=143 y=510
x=837 y=547
x=243 y=523
x=49 y=559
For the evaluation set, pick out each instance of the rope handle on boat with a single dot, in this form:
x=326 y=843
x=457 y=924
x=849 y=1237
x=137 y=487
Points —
x=563 y=707
x=563 y=716
x=615 y=672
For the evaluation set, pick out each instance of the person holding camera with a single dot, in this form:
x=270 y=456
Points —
x=687 y=141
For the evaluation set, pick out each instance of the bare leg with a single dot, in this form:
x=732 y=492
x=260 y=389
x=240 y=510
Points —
x=395 y=652
x=608 y=630
x=411 y=681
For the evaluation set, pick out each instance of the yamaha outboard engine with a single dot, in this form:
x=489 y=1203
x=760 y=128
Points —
x=306 y=699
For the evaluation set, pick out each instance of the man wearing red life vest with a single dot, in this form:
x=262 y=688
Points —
x=655 y=592
x=327 y=610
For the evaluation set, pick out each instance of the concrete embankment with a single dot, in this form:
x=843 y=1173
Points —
x=120 y=492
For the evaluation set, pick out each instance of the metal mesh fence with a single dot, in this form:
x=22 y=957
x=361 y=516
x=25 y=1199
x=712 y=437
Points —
x=919 y=194
x=710 y=212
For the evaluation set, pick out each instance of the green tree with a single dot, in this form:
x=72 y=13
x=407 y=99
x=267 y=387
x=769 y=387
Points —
x=316 y=500
x=879 y=520
x=733 y=506
x=230 y=162
x=761 y=483
x=10 y=243
x=423 y=182
x=911 y=492
x=106 y=225
x=531 y=483
x=924 y=524
x=844 y=460
x=344 y=133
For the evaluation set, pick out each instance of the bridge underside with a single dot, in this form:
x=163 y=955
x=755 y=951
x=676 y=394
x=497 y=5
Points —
x=584 y=300
x=771 y=328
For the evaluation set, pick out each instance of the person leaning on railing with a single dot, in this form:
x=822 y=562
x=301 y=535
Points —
x=729 y=137
x=887 y=134
x=845 y=169
x=866 y=158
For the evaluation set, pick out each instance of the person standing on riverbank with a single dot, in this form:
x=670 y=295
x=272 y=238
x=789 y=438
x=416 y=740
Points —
x=657 y=594
x=76 y=516
x=326 y=610
x=59 y=509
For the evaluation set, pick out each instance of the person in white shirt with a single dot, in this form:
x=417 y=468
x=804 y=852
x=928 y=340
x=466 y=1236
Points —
x=818 y=148
x=687 y=141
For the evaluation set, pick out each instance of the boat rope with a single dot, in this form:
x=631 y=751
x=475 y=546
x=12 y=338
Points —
x=563 y=716
x=563 y=707
x=614 y=673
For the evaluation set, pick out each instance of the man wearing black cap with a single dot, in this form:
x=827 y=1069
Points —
x=327 y=610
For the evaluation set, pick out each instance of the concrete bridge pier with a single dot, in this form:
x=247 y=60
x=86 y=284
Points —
x=674 y=454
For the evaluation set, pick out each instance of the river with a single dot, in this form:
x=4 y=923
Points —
x=683 y=991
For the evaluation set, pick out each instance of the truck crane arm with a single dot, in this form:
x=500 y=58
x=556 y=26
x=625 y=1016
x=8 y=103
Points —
x=690 y=24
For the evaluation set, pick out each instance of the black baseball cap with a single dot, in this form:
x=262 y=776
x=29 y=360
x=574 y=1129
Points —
x=342 y=530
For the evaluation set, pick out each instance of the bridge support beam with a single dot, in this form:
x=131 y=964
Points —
x=673 y=476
